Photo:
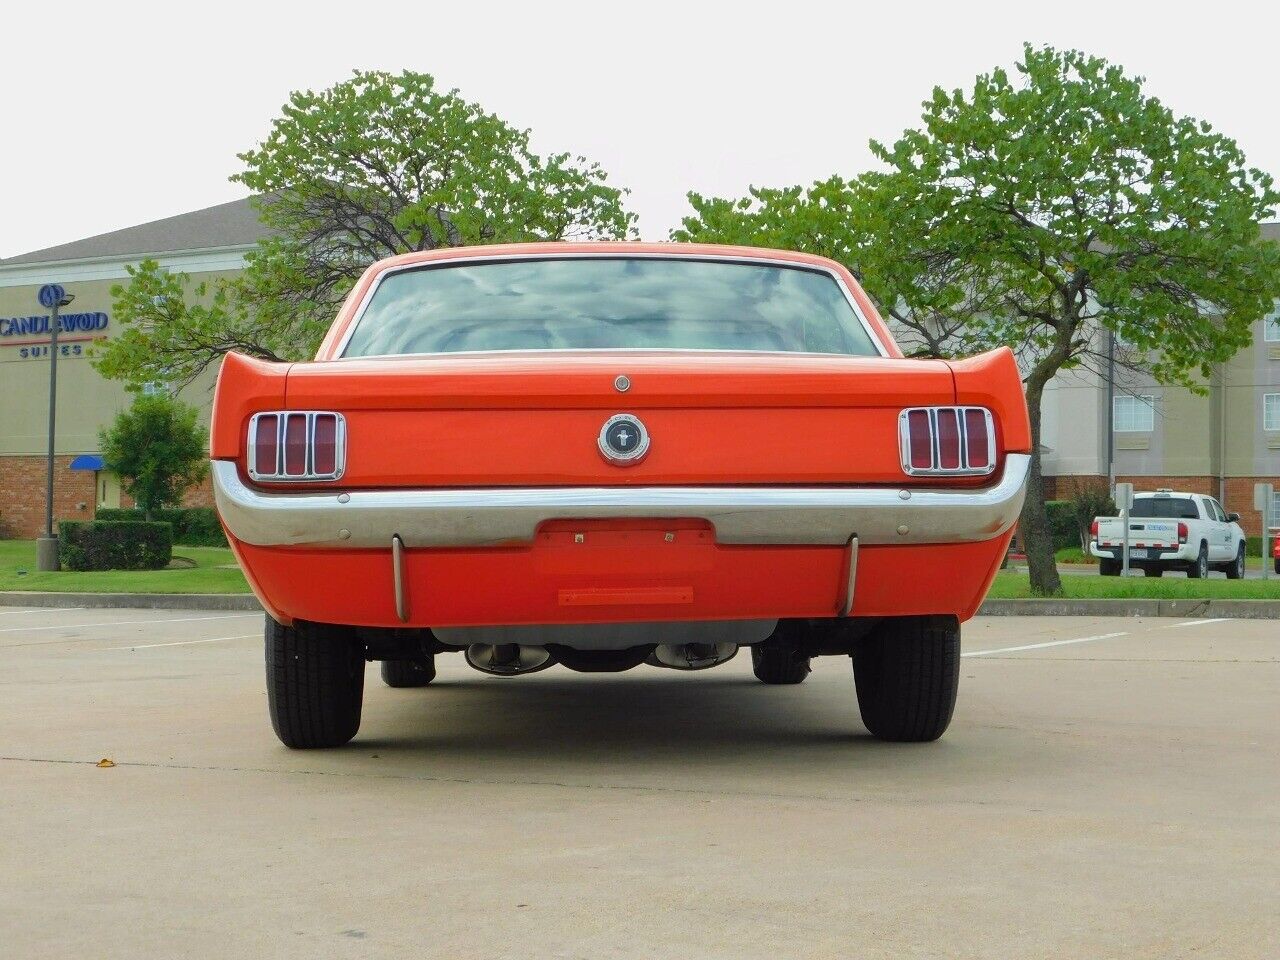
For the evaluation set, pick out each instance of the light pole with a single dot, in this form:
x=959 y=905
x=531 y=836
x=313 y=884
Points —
x=53 y=297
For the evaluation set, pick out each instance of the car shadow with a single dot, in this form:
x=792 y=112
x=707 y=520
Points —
x=546 y=721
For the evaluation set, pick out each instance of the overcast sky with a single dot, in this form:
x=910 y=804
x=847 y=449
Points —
x=118 y=113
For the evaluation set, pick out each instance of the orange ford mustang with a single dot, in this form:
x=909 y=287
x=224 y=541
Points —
x=605 y=455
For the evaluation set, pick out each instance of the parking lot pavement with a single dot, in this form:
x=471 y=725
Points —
x=1108 y=789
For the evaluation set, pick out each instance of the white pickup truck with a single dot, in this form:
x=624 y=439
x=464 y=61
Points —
x=1172 y=531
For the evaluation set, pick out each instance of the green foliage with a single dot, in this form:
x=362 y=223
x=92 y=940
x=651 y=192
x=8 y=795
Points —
x=1085 y=506
x=374 y=166
x=100 y=545
x=157 y=449
x=1062 y=523
x=192 y=526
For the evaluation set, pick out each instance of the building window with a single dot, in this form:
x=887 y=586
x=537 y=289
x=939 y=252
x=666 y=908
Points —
x=1271 y=325
x=154 y=388
x=1135 y=414
x=1271 y=411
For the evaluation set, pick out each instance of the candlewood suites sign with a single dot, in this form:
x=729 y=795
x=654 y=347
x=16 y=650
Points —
x=16 y=331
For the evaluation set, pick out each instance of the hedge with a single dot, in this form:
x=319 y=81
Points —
x=118 y=545
x=1062 y=523
x=192 y=526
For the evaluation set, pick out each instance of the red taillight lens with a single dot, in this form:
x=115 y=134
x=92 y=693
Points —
x=947 y=440
x=297 y=445
x=324 y=445
x=920 y=440
x=1093 y=529
x=266 y=444
x=976 y=439
x=1182 y=533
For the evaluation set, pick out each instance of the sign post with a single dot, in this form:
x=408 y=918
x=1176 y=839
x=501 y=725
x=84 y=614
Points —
x=52 y=296
x=1124 y=500
x=1264 y=499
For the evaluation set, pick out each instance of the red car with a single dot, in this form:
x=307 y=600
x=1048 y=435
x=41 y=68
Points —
x=604 y=455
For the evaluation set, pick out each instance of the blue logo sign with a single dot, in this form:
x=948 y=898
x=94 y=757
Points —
x=39 y=326
x=51 y=294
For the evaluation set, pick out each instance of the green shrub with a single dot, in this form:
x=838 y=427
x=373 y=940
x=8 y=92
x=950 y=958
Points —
x=1062 y=523
x=119 y=545
x=1086 y=505
x=192 y=526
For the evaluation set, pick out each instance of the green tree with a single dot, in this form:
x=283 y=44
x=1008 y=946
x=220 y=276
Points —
x=1042 y=210
x=158 y=450
x=374 y=166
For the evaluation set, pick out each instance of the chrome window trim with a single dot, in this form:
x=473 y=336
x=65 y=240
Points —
x=341 y=349
x=503 y=516
x=964 y=470
x=309 y=475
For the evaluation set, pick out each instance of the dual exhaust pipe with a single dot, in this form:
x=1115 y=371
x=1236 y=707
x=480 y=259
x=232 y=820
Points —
x=515 y=659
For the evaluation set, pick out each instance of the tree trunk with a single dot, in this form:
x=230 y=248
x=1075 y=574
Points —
x=1033 y=525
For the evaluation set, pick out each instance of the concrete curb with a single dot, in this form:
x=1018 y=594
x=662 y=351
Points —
x=138 y=601
x=1186 y=609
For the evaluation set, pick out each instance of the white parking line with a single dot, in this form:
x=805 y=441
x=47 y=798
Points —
x=126 y=623
x=1041 y=646
x=1196 y=623
x=182 y=643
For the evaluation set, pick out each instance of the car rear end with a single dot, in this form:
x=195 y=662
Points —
x=397 y=480
x=494 y=455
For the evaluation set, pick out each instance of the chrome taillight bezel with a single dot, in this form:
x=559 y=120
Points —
x=277 y=472
x=934 y=470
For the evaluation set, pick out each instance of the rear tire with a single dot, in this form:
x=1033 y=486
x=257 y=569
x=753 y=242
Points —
x=907 y=673
x=1199 y=568
x=1109 y=568
x=409 y=673
x=1235 y=569
x=1154 y=571
x=778 y=664
x=315 y=684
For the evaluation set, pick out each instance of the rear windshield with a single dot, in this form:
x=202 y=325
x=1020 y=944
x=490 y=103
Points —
x=600 y=303
x=1169 y=508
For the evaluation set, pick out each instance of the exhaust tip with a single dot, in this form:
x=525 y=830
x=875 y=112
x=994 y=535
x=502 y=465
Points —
x=508 y=659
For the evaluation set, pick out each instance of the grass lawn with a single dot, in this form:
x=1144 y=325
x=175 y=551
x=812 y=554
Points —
x=214 y=572
x=1013 y=585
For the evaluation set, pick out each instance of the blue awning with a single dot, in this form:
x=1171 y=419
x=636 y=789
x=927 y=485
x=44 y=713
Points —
x=87 y=461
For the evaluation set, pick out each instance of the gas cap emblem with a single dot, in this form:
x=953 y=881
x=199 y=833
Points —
x=622 y=383
x=623 y=439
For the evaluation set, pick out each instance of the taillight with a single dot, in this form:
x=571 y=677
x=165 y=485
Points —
x=297 y=445
x=947 y=441
x=1182 y=533
x=1093 y=530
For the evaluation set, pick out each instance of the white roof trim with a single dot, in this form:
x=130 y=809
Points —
x=201 y=260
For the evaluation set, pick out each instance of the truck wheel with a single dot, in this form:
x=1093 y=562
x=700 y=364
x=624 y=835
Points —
x=1199 y=569
x=409 y=673
x=1153 y=571
x=1235 y=569
x=907 y=672
x=315 y=684
x=1109 y=568
x=778 y=663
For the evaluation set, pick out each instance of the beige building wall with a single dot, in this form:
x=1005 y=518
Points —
x=86 y=400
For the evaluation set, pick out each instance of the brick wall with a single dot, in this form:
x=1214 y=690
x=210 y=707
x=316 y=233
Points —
x=1239 y=499
x=1067 y=486
x=22 y=481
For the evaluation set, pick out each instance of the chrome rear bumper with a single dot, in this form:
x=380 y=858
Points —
x=740 y=515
